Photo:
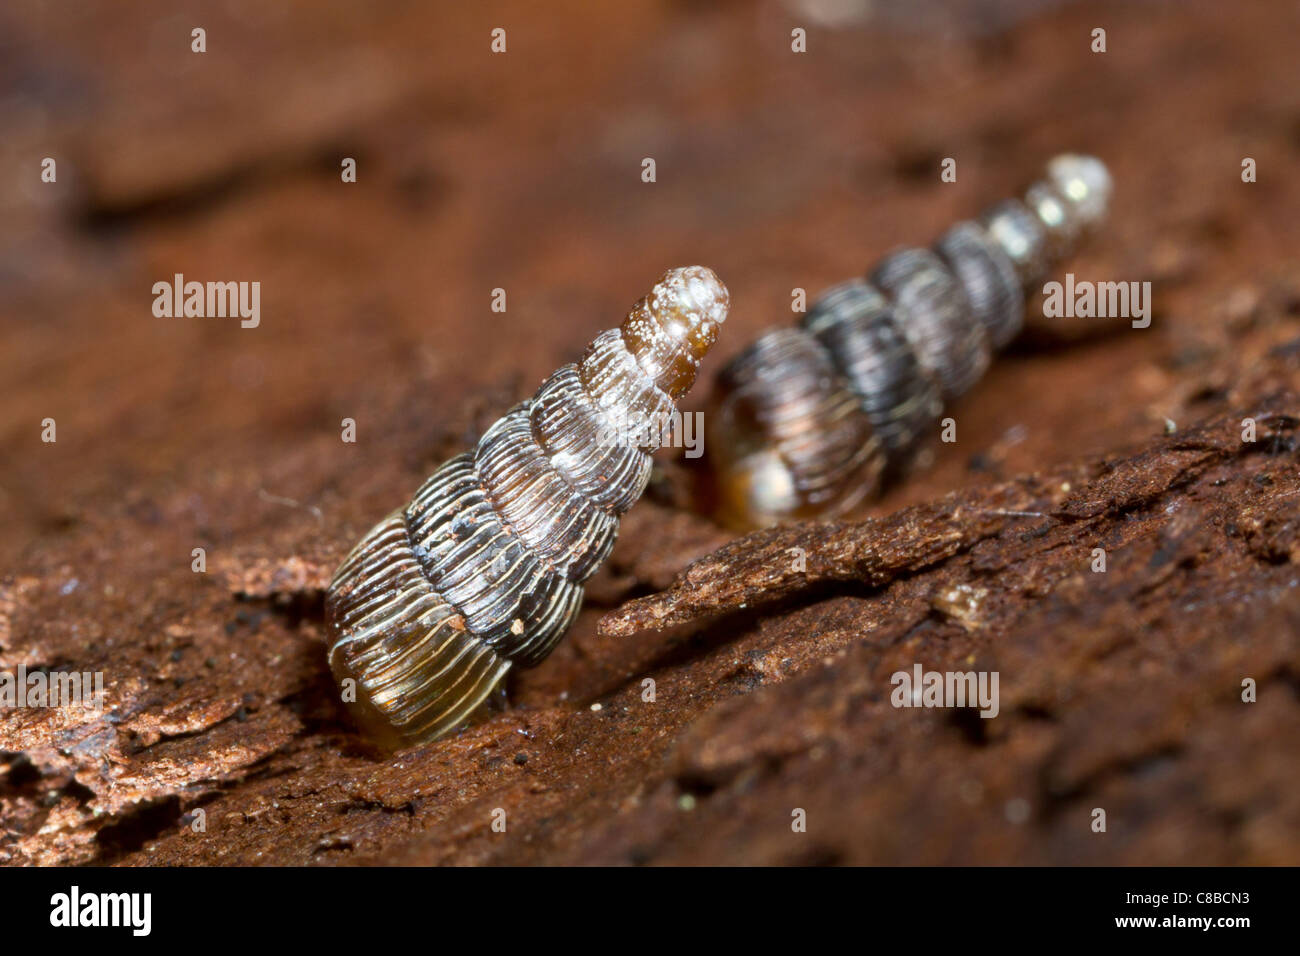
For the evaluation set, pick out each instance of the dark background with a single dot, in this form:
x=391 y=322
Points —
x=522 y=171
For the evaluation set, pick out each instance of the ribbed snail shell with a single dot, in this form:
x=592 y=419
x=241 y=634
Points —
x=808 y=421
x=483 y=569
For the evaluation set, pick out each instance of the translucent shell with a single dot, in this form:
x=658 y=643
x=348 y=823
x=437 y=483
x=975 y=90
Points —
x=483 y=569
x=988 y=278
x=798 y=438
x=935 y=317
x=786 y=441
x=1021 y=236
x=860 y=332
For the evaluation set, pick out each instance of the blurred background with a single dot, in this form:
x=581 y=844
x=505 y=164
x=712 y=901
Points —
x=522 y=171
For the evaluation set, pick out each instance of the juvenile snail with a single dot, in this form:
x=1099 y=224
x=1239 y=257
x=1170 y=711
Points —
x=808 y=421
x=483 y=569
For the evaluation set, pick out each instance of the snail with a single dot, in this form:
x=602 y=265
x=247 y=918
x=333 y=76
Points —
x=810 y=421
x=483 y=569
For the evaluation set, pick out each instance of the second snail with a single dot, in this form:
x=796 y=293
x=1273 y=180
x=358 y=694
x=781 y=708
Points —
x=809 y=421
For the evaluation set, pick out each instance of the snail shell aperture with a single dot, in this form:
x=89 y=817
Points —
x=808 y=421
x=483 y=569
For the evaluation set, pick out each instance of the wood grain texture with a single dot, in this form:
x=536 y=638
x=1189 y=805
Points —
x=521 y=172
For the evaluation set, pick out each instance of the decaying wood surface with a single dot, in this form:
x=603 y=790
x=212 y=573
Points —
x=771 y=655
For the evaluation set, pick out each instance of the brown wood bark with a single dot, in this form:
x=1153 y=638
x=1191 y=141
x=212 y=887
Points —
x=1120 y=690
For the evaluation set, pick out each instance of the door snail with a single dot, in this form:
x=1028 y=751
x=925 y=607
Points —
x=483 y=568
x=809 y=421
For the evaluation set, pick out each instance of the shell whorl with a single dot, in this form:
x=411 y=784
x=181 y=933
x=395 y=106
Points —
x=920 y=331
x=483 y=568
x=811 y=443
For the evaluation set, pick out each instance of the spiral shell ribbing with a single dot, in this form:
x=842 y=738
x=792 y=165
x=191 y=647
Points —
x=808 y=420
x=483 y=569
